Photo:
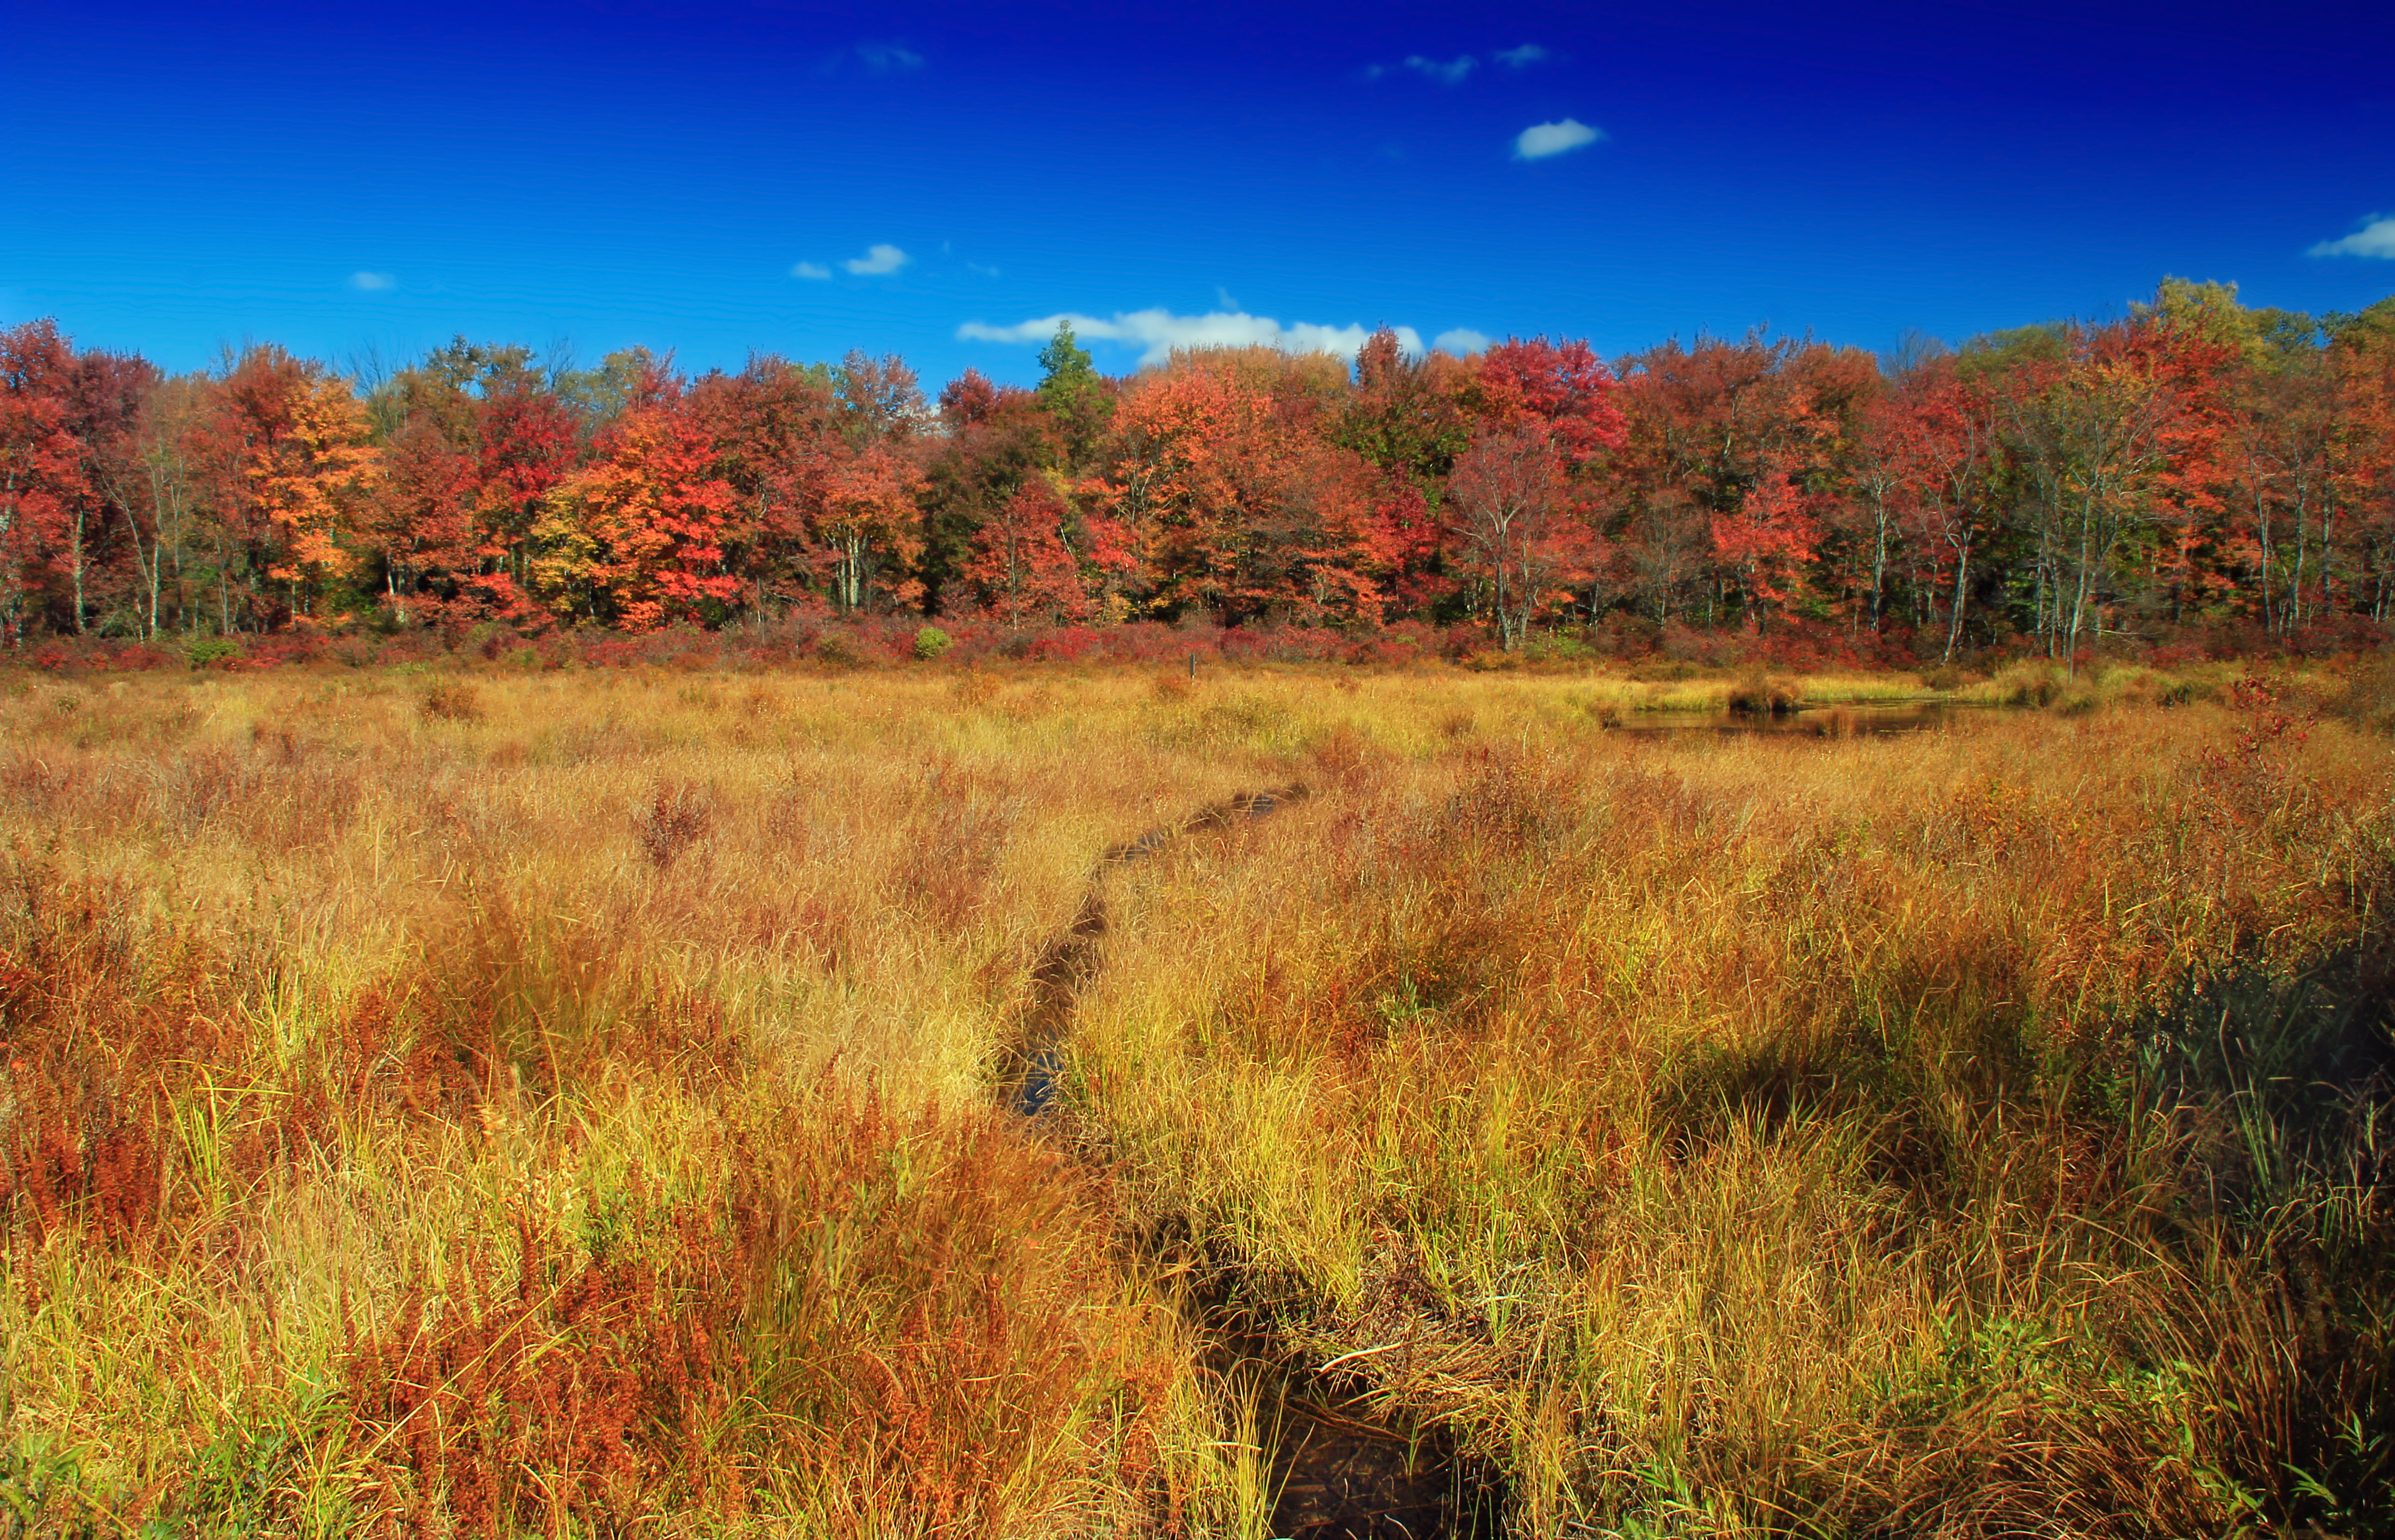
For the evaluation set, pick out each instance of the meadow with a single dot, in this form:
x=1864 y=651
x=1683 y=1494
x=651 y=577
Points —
x=501 y=1100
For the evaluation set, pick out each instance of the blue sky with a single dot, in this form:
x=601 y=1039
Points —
x=675 y=173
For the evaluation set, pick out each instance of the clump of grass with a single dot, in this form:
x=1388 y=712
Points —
x=1848 y=689
x=453 y=701
x=673 y=816
x=2367 y=694
x=976 y=688
x=2028 y=683
x=1760 y=695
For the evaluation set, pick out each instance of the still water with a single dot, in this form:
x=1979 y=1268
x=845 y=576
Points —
x=1866 y=719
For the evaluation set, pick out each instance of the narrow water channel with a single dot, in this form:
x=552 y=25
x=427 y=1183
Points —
x=1338 y=1470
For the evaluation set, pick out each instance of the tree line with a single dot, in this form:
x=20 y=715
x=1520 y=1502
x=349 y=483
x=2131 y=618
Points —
x=2196 y=462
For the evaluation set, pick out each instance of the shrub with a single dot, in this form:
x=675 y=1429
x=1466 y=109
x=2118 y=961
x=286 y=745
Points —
x=212 y=651
x=1066 y=644
x=283 y=647
x=1389 y=648
x=929 y=642
x=1682 y=643
x=490 y=640
x=1558 y=648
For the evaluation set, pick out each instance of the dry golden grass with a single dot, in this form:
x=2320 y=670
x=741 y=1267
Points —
x=570 y=1103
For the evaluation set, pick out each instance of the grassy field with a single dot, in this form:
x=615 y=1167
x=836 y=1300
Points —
x=577 y=1103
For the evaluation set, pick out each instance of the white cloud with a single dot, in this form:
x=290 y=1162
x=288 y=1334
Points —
x=1159 y=331
x=810 y=269
x=2376 y=238
x=373 y=282
x=1463 y=342
x=1539 y=141
x=1223 y=298
x=888 y=57
x=877 y=260
x=1449 y=73
x=982 y=269
x=1521 y=57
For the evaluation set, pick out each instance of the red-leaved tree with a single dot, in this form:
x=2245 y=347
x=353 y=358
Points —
x=1513 y=522
x=1021 y=567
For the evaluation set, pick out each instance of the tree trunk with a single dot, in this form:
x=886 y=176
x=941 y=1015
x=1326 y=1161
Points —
x=80 y=628
x=146 y=569
x=1879 y=562
x=1954 y=611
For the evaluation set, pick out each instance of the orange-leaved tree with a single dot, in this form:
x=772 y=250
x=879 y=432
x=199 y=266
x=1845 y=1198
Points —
x=1221 y=469
x=635 y=538
x=284 y=456
x=1177 y=435
x=869 y=526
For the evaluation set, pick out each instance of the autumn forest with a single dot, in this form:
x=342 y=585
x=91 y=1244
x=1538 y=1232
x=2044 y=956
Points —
x=2194 y=471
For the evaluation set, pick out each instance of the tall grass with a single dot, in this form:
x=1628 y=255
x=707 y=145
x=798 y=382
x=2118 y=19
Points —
x=568 y=1104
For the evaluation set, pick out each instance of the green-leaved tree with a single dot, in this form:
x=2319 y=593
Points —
x=1082 y=399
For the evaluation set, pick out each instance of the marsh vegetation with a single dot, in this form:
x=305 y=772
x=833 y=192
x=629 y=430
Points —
x=506 y=1102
